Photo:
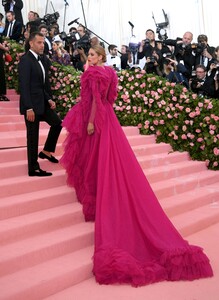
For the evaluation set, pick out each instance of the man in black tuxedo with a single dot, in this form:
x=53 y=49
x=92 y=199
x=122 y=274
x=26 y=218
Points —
x=36 y=104
x=13 y=28
x=16 y=6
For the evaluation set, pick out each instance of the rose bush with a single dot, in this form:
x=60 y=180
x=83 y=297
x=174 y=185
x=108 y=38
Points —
x=171 y=112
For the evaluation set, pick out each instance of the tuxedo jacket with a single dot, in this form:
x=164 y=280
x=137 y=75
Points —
x=17 y=10
x=34 y=91
x=16 y=31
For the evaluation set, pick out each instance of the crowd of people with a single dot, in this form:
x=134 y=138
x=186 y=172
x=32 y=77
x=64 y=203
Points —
x=195 y=65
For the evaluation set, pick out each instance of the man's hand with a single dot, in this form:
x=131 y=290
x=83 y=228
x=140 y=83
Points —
x=30 y=115
x=52 y=104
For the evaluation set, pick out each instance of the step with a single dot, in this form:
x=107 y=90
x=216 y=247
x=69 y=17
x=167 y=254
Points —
x=19 y=168
x=178 y=185
x=9 y=111
x=177 y=169
x=140 y=139
x=187 y=201
x=12 y=92
x=33 y=224
x=161 y=159
x=9 y=104
x=20 y=153
x=18 y=126
x=49 y=277
x=198 y=219
x=14 y=118
x=38 y=249
x=25 y=184
x=34 y=201
x=18 y=138
x=151 y=148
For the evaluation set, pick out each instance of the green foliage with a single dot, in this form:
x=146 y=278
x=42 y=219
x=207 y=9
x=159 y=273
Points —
x=171 y=112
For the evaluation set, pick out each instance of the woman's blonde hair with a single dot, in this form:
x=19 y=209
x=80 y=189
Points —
x=100 y=51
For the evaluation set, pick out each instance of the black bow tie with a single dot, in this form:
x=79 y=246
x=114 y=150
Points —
x=38 y=58
x=113 y=57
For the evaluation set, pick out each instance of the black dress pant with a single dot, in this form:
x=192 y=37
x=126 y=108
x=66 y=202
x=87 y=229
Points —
x=54 y=121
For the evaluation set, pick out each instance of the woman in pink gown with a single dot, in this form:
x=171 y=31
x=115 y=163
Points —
x=135 y=242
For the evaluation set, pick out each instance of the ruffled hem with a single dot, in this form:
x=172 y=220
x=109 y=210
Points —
x=117 y=266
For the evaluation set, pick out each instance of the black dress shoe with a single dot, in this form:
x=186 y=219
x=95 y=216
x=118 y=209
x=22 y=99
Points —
x=50 y=158
x=3 y=98
x=39 y=173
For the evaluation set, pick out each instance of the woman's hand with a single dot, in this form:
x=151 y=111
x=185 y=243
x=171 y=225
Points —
x=90 y=128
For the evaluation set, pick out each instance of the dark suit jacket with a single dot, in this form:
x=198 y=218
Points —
x=16 y=31
x=34 y=92
x=17 y=10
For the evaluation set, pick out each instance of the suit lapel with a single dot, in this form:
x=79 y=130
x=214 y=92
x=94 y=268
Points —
x=38 y=67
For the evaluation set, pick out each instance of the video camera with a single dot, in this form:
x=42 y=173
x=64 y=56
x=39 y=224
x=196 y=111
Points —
x=50 y=19
x=69 y=38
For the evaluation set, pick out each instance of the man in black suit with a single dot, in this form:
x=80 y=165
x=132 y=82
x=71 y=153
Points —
x=16 y=6
x=13 y=28
x=36 y=104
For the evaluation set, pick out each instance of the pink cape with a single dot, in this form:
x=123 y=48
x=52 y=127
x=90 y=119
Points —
x=135 y=242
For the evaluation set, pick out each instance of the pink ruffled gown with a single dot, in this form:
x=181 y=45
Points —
x=135 y=242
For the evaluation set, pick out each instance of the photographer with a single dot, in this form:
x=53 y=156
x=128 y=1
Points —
x=81 y=48
x=202 y=84
x=153 y=64
x=183 y=52
x=148 y=45
x=204 y=53
x=174 y=71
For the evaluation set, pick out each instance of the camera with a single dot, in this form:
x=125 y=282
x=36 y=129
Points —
x=50 y=19
x=166 y=57
x=69 y=38
x=152 y=59
x=146 y=42
x=198 y=47
x=83 y=43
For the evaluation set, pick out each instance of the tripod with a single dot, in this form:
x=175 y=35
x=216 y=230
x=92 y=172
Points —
x=66 y=4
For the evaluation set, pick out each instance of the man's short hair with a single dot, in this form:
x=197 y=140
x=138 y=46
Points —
x=202 y=38
x=34 y=34
x=149 y=30
x=111 y=47
x=201 y=67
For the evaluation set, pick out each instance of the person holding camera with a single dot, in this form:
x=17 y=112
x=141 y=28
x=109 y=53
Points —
x=16 y=6
x=202 y=84
x=204 y=53
x=183 y=52
x=174 y=71
x=153 y=64
x=81 y=48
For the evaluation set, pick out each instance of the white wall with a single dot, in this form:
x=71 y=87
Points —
x=109 y=18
